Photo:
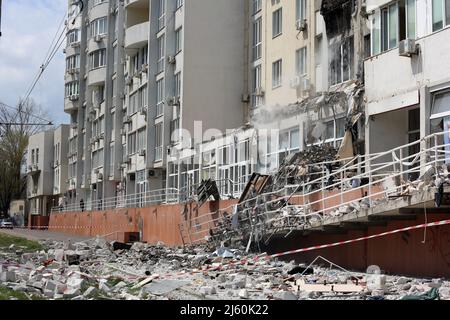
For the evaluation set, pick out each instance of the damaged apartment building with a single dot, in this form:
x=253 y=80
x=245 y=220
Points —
x=305 y=89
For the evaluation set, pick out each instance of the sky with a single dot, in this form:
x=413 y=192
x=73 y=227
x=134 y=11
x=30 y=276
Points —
x=28 y=28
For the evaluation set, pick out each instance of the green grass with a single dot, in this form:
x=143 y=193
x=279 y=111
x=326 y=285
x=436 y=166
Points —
x=7 y=294
x=7 y=240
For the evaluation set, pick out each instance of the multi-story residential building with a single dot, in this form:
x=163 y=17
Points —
x=140 y=74
x=407 y=74
x=46 y=169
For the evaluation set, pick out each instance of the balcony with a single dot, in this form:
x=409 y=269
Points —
x=399 y=86
x=71 y=103
x=97 y=76
x=137 y=36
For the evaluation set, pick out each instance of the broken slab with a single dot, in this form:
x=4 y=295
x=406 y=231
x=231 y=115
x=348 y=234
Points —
x=163 y=287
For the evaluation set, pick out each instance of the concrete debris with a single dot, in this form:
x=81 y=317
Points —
x=148 y=272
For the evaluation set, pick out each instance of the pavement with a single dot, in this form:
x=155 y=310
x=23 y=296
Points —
x=37 y=235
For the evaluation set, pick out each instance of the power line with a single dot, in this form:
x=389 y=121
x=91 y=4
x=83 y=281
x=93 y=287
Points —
x=0 y=18
x=48 y=122
x=53 y=49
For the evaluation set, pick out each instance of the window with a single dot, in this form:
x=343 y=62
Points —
x=99 y=27
x=178 y=40
x=341 y=61
x=300 y=61
x=160 y=97
x=411 y=19
x=133 y=104
x=288 y=142
x=141 y=139
x=73 y=36
x=392 y=24
x=277 y=22
x=144 y=55
x=143 y=92
x=300 y=10
x=440 y=14
x=178 y=84
x=72 y=88
x=256 y=6
x=158 y=141
x=111 y=156
x=257 y=39
x=162 y=14
x=37 y=156
x=32 y=157
x=257 y=99
x=161 y=54
x=132 y=143
x=97 y=59
x=276 y=74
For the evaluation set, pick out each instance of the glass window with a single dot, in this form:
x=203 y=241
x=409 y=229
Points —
x=411 y=19
x=141 y=142
x=161 y=54
x=438 y=14
x=277 y=22
x=256 y=6
x=178 y=84
x=276 y=73
x=300 y=9
x=257 y=39
x=178 y=40
x=97 y=59
x=99 y=27
x=132 y=143
x=441 y=105
x=300 y=58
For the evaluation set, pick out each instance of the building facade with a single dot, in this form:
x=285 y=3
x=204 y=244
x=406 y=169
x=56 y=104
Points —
x=134 y=87
x=47 y=170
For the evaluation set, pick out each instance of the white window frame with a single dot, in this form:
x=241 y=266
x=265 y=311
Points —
x=277 y=74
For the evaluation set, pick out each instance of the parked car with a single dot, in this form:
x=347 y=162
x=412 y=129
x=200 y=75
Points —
x=6 y=224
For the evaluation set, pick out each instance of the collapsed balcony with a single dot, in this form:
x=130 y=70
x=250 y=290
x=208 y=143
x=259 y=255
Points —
x=335 y=195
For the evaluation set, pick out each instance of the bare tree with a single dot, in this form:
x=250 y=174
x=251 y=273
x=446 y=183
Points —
x=17 y=125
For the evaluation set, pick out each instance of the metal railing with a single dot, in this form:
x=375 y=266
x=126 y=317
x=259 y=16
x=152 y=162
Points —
x=137 y=200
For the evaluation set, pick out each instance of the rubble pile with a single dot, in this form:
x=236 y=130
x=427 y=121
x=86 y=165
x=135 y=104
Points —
x=97 y=269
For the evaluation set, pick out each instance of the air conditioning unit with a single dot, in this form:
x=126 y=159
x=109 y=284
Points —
x=101 y=136
x=153 y=173
x=295 y=82
x=144 y=67
x=73 y=97
x=75 y=44
x=173 y=101
x=100 y=176
x=301 y=25
x=171 y=59
x=96 y=171
x=143 y=111
x=127 y=119
x=305 y=84
x=259 y=92
x=142 y=153
x=407 y=48
x=98 y=38
x=128 y=80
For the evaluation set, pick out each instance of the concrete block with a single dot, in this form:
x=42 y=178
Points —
x=243 y=294
x=70 y=293
x=75 y=283
x=285 y=295
x=208 y=290
x=90 y=291
x=49 y=293
x=59 y=255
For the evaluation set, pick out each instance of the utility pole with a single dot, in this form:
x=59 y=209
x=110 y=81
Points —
x=0 y=18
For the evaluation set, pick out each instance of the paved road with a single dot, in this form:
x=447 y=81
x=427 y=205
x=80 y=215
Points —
x=42 y=235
